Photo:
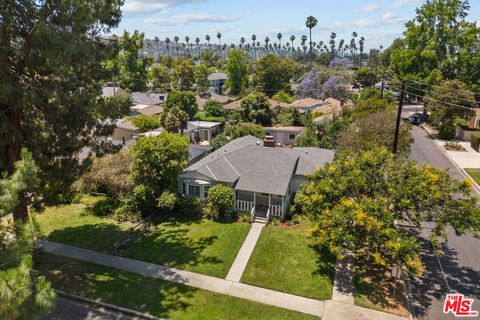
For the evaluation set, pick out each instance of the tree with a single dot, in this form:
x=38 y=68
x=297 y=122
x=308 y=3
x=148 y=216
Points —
x=336 y=87
x=109 y=174
x=201 y=77
x=146 y=122
x=330 y=130
x=183 y=73
x=311 y=85
x=356 y=203
x=213 y=108
x=23 y=294
x=376 y=129
x=52 y=77
x=272 y=74
x=129 y=67
x=160 y=78
x=371 y=105
x=174 y=120
x=310 y=24
x=283 y=96
x=209 y=57
x=237 y=71
x=366 y=77
x=221 y=198
x=184 y=100
x=255 y=108
x=244 y=129
x=308 y=138
x=289 y=117
x=156 y=163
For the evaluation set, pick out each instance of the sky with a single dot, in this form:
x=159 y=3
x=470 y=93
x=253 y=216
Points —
x=380 y=22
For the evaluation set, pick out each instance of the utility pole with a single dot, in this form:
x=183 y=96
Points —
x=383 y=84
x=399 y=117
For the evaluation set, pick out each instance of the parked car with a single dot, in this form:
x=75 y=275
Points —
x=415 y=119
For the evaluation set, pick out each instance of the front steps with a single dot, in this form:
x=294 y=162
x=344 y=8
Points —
x=260 y=219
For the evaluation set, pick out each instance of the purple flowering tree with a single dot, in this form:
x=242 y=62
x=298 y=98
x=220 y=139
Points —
x=335 y=87
x=312 y=84
x=340 y=62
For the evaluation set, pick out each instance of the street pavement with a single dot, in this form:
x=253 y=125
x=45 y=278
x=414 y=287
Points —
x=458 y=270
x=66 y=309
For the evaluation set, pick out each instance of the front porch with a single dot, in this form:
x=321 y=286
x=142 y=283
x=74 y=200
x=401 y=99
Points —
x=262 y=204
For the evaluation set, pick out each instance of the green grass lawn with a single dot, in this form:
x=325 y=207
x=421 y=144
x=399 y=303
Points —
x=475 y=174
x=203 y=246
x=285 y=260
x=154 y=296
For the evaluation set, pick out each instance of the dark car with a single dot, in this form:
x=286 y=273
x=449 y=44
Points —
x=415 y=119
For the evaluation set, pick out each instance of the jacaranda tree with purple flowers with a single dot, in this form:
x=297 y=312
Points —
x=312 y=84
x=340 y=62
x=335 y=87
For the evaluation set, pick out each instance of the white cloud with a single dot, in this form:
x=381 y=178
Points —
x=389 y=16
x=184 y=19
x=152 y=6
x=401 y=3
x=371 y=7
x=223 y=29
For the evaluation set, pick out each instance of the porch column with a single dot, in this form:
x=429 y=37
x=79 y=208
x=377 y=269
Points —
x=282 y=207
x=254 y=199
x=269 y=195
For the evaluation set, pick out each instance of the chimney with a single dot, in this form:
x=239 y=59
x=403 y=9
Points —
x=269 y=142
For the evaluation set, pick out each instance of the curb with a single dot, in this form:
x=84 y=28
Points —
x=465 y=173
x=107 y=306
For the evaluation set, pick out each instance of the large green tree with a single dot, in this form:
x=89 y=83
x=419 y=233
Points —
x=237 y=71
x=160 y=78
x=272 y=74
x=359 y=201
x=255 y=108
x=52 y=66
x=23 y=294
x=183 y=73
x=184 y=100
x=129 y=67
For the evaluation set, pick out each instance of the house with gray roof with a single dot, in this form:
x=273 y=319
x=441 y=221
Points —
x=263 y=176
x=217 y=80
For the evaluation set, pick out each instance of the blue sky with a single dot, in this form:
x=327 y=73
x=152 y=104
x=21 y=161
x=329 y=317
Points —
x=378 y=21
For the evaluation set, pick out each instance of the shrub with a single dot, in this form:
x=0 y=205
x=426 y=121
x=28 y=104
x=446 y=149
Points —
x=146 y=122
x=275 y=221
x=167 y=200
x=189 y=206
x=222 y=198
x=244 y=217
x=447 y=130
x=475 y=142
x=297 y=218
x=209 y=211
x=453 y=146
x=203 y=116
x=219 y=141
x=104 y=207
x=127 y=211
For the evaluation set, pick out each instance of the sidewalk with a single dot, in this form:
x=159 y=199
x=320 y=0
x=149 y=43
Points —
x=240 y=263
x=343 y=283
x=326 y=309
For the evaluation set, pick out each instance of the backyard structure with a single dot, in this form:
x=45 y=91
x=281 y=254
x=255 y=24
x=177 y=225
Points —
x=202 y=132
x=217 y=80
x=263 y=176
x=147 y=103
x=284 y=135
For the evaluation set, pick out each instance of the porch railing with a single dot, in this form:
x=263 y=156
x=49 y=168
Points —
x=275 y=210
x=243 y=205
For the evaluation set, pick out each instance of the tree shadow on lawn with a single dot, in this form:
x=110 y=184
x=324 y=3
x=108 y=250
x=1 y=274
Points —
x=431 y=285
x=171 y=247
x=325 y=262
x=113 y=286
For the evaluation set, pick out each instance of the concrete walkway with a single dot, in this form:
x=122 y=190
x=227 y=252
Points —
x=240 y=263
x=343 y=282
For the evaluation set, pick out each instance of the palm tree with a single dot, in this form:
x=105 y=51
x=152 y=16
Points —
x=333 y=35
x=197 y=41
x=353 y=45
x=381 y=47
x=167 y=42
x=361 y=43
x=310 y=24
x=279 y=37
x=187 y=39
x=207 y=37
x=242 y=41
x=157 y=40
x=254 y=37
x=340 y=47
x=219 y=36
x=267 y=40
x=176 y=42
x=292 y=38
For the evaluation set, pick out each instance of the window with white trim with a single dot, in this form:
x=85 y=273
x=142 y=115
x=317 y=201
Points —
x=194 y=191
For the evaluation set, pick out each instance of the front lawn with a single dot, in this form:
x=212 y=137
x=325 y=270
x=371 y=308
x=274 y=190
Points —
x=285 y=260
x=475 y=174
x=206 y=247
x=154 y=296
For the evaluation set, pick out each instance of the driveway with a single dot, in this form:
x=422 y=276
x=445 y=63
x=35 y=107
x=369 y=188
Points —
x=456 y=271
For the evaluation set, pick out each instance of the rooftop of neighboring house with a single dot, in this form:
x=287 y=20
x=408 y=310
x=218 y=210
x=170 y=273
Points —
x=147 y=109
x=204 y=97
x=277 y=128
x=191 y=125
x=110 y=91
x=274 y=103
x=306 y=103
x=251 y=166
x=148 y=98
x=238 y=103
x=126 y=124
x=217 y=76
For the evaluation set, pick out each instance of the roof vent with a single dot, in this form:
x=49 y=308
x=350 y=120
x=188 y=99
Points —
x=258 y=143
x=269 y=141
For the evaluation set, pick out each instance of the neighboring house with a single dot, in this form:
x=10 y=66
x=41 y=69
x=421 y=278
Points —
x=217 y=80
x=307 y=105
x=111 y=91
x=274 y=105
x=232 y=106
x=263 y=176
x=197 y=152
x=202 y=98
x=284 y=135
x=202 y=132
x=474 y=122
x=124 y=131
x=328 y=110
x=148 y=103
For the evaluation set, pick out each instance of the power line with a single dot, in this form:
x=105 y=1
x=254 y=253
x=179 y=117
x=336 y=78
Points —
x=445 y=96
x=436 y=85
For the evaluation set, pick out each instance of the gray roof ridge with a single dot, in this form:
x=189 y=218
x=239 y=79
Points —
x=210 y=170
x=225 y=157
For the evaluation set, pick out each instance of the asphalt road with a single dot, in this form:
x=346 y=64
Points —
x=456 y=271
x=71 y=310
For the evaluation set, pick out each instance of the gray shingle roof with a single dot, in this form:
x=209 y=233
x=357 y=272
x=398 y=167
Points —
x=253 y=167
